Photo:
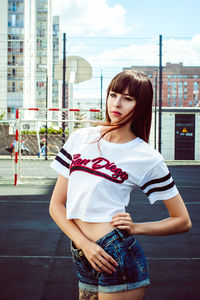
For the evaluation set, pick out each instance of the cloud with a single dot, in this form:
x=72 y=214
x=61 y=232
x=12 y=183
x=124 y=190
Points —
x=90 y=18
x=147 y=53
x=182 y=50
x=111 y=55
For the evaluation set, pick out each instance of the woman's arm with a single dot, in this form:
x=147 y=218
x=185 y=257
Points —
x=98 y=258
x=178 y=221
x=57 y=211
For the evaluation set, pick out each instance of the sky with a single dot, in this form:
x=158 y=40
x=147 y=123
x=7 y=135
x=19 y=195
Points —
x=144 y=18
x=112 y=34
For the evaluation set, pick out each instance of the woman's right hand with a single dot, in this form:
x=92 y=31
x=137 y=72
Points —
x=98 y=258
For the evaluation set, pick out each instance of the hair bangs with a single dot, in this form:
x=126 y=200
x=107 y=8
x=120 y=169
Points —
x=120 y=84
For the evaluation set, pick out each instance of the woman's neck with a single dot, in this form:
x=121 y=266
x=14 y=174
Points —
x=119 y=135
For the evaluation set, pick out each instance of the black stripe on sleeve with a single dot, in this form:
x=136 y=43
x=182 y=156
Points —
x=62 y=162
x=64 y=152
x=158 y=180
x=160 y=189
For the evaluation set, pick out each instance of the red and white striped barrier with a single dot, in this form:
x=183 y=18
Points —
x=60 y=109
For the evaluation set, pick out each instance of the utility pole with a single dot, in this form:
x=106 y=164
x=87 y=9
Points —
x=160 y=95
x=155 y=99
x=46 y=112
x=101 y=103
x=63 y=88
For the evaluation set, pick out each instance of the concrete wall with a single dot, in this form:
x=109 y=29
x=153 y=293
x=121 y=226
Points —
x=168 y=131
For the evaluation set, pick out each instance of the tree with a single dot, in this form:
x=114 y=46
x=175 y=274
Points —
x=2 y=114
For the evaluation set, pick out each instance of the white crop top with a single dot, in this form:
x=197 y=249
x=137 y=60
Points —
x=101 y=179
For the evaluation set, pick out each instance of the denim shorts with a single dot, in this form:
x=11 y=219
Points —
x=132 y=270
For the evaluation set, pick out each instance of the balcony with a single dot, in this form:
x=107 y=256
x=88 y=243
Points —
x=15 y=51
x=16 y=25
x=15 y=64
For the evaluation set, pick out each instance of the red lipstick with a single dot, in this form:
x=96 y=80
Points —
x=116 y=113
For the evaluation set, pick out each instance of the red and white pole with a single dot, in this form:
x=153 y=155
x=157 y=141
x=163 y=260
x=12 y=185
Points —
x=16 y=147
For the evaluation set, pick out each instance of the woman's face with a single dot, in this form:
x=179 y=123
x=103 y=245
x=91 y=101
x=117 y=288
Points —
x=119 y=105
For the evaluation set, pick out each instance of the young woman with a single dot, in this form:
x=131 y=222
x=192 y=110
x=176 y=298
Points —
x=98 y=168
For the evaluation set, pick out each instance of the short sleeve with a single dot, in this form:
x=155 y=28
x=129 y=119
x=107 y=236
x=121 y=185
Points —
x=158 y=183
x=63 y=159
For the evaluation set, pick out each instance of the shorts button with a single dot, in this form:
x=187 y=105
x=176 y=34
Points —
x=124 y=277
x=81 y=253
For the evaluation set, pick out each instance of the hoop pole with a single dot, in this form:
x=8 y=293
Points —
x=63 y=86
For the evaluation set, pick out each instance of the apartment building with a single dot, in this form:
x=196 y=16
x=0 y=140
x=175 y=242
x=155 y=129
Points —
x=26 y=54
x=57 y=56
x=180 y=84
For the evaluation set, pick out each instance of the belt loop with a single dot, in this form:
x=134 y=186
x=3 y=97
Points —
x=120 y=233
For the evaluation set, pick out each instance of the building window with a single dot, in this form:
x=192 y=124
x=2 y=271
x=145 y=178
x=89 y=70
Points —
x=196 y=85
x=39 y=84
x=14 y=6
x=13 y=20
x=21 y=47
x=174 y=90
x=185 y=83
x=13 y=86
x=180 y=90
x=196 y=92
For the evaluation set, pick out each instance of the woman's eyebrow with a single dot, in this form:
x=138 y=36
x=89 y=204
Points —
x=124 y=94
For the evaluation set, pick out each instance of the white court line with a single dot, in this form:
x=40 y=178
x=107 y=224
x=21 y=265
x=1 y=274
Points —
x=173 y=258
x=69 y=257
x=35 y=256
x=24 y=201
x=197 y=202
x=47 y=201
x=188 y=186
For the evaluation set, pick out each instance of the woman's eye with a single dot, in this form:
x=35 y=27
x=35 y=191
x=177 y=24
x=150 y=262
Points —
x=128 y=98
x=112 y=94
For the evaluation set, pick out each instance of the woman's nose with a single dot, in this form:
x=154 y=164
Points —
x=117 y=101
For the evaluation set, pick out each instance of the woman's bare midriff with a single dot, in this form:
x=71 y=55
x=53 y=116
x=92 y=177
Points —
x=94 y=231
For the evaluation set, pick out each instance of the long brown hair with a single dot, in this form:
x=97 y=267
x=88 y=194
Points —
x=138 y=86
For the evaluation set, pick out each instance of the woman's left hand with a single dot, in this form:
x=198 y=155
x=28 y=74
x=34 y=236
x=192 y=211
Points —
x=123 y=221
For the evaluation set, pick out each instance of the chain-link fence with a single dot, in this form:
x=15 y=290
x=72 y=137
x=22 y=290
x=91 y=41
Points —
x=172 y=64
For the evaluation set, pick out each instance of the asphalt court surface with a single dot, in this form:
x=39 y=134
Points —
x=35 y=260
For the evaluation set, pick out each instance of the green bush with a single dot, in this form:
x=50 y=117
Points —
x=43 y=131
x=28 y=132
